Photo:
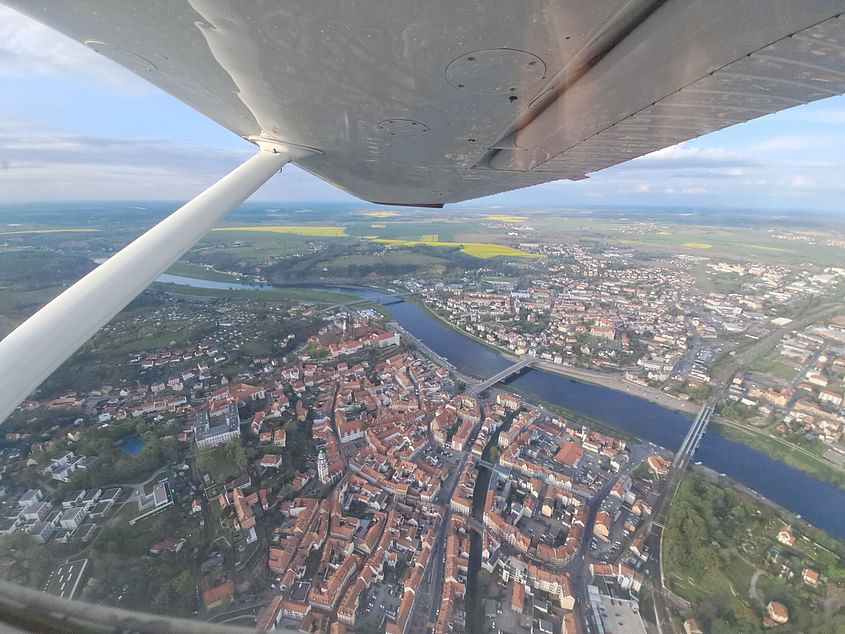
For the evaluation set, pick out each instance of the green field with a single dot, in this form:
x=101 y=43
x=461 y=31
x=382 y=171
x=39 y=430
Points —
x=323 y=231
x=744 y=244
x=478 y=250
x=30 y=231
x=146 y=337
x=714 y=541
x=387 y=258
x=775 y=368
x=231 y=250
x=200 y=272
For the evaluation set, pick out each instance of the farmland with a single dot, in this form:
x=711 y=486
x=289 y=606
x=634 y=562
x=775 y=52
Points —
x=476 y=249
x=323 y=231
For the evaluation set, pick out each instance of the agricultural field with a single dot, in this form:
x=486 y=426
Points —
x=503 y=218
x=478 y=250
x=26 y=231
x=322 y=231
x=446 y=230
x=392 y=234
x=735 y=244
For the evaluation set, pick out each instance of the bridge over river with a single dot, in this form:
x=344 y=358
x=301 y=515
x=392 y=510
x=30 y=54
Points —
x=516 y=368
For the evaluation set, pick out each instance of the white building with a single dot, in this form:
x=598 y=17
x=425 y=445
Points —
x=226 y=426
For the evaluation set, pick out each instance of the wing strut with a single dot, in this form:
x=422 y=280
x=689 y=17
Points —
x=38 y=346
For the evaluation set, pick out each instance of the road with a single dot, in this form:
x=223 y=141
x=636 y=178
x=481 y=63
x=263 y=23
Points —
x=580 y=568
x=428 y=593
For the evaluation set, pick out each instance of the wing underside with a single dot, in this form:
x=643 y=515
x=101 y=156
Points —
x=426 y=103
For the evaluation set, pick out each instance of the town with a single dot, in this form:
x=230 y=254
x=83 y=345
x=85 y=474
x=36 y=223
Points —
x=656 y=327
x=376 y=528
x=353 y=487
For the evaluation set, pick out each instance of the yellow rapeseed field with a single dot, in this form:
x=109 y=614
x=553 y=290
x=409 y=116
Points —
x=381 y=214
x=302 y=230
x=697 y=245
x=8 y=233
x=506 y=218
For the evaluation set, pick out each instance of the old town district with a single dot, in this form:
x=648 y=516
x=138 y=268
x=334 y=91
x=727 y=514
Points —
x=401 y=457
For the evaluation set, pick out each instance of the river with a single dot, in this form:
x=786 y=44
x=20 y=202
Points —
x=820 y=503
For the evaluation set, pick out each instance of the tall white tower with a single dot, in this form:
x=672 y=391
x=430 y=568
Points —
x=323 y=467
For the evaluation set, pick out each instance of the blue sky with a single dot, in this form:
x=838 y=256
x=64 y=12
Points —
x=75 y=126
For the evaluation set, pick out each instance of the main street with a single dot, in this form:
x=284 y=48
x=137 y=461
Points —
x=428 y=593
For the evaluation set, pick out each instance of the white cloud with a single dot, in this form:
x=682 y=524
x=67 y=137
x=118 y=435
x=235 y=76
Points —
x=685 y=151
x=789 y=143
x=60 y=166
x=801 y=181
x=28 y=48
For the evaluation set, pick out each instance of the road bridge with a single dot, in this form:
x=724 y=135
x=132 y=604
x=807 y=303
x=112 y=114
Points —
x=673 y=481
x=484 y=463
x=693 y=437
x=501 y=376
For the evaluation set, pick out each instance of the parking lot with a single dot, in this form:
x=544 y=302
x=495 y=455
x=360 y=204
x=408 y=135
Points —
x=380 y=605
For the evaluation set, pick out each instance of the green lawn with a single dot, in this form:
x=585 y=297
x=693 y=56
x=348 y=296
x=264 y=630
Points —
x=222 y=462
x=776 y=368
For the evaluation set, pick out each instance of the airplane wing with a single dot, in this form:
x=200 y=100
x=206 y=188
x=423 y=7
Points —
x=426 y=103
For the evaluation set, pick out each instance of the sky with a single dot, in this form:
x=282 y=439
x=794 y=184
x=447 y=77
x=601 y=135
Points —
x=76 y=126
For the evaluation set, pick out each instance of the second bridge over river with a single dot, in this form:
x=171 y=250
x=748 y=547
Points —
x=516 y=368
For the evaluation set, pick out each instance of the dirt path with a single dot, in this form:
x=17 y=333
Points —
x=753 y=594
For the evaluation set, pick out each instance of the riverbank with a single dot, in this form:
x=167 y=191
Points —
x=580 y=417
x=416 y=301
x=781 y=450
x=620 y=384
